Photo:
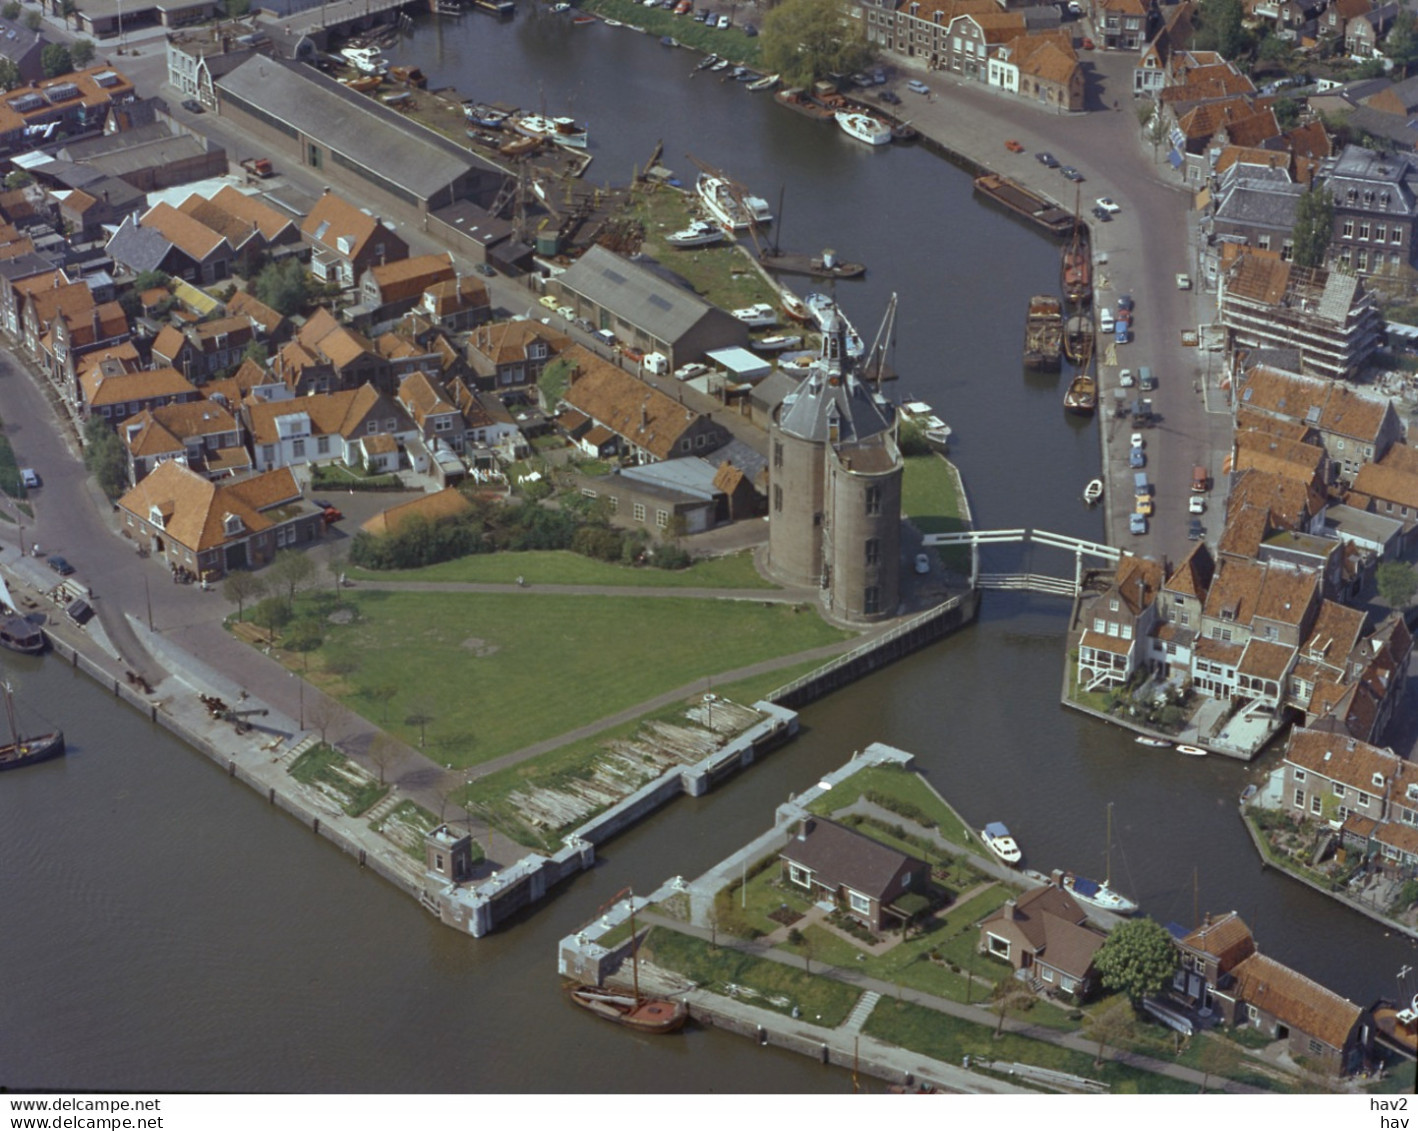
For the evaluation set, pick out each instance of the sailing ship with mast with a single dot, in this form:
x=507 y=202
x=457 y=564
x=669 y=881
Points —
x=634 y=1010
x=1100 y=895
x=24 y=750
x=1076 y=271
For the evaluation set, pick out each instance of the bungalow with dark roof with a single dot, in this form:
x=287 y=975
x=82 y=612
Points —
x=211 y=529
x=1044 y=933
x=860 y=876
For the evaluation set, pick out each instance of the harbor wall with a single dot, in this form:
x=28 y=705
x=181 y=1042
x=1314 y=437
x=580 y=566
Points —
x=902 y=640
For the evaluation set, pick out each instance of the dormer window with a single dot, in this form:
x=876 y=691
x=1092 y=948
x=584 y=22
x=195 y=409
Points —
x=232 y=525
x=155 y=517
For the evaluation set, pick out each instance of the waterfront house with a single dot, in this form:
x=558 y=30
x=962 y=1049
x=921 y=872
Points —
x=210 y=528
x=863 y=877
x=1043 y=68
x=507 y=355
x=1179 y=608
x=1319 y=1026
x=203 y=435
x=651 y=424
x=1206 y=957
x=1044 y=934
x=1117 y=624
x=1329 y=776
x=346 y=241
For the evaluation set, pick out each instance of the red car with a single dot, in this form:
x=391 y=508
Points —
x=1087 y=44
x=1014 y=146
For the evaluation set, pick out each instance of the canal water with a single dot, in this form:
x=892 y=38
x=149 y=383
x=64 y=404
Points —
x=163 y=928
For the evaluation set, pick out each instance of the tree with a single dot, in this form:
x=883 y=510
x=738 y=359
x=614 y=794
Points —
x=1401 y=44
x=33 y=21
x=82 y=52
x=323 y=713
x=283 y=286
x=1287 y=113
x=1397 y=582
x=104 y=456
x=420 y=715
x=257 y=352
x=9 y=74
x=383 y=750
x=69 y=9
x=272 y=613
x=150 y=280
x=290 y=569
x=1221 y=28
x=1138 y=959
x=335 y=562
x=805 y=40
x=19 y=178
x=1314 y=224
x=11 y=11
x=1110 y=1025
x=55 y=60
x=1009 y=994
x=242 y=586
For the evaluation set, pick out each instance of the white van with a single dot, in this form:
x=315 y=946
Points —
x=1105 y=321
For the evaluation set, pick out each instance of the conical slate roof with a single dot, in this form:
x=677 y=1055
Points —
x=830 y=403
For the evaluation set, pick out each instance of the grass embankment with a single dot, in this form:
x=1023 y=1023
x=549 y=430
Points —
x=729 y=43
x=770 y=985
x=562 y=567
x=334 y=775
x=930 y=498
x=903 y=792
x=490 y=673
x=719 y=274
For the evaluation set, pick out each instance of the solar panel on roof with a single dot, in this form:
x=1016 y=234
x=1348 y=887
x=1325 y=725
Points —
x=1313 y=416
x=660 y=301
x=614 y=276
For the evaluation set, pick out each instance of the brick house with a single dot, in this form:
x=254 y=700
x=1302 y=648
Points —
x=507 y=355
x=1206 y=957
x=389 y=289
x=862 y=876
x=1117 y=624
x=117 y=396
x=213 y=528
x=206 y=349
x=1044 y=934
x=1319 y=1025
x=346 y=241
x=203 y=435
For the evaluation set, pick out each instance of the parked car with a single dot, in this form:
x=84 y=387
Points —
x=548 y=301
x=1137 y=524
x=890 y=97
x=1146 y=379
x=1087 y=44
x=1072 y=174
x=878 y=76
x=1125 y=303
x=1195 y=530
x=1184 y=282
x=725 y=22
x=923 y=563
x=485 y=269
x=29 y=477
x=1143 y=504
x=1105 y=321
x=1108 y=204
x=59 y=565
x=192 y=106
x=1014 y=146
x=1048 y=160
x=1137 y=458
x=1196 y=504
x=749 y=30
x=918 y=86
x=1125 y=378
x=1137 y=441
x=1101 y=215
x=331 y=512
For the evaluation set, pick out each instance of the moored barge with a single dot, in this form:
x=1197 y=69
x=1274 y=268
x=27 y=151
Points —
x=1025 y=202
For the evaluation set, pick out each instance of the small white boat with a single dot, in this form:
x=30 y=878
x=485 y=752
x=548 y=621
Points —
x=1194 y=751
x=758 y=316
x=367 y=60
x=613 y=23
x=706 y=62
x=1160 y=743
x=778 y=342
x=918 y=412
x=939 y=438
x=767 y=82
x=863 y=127
x=1097 y=895
x=998 y=841
x=721 y=65
x=700 y=233
x=734 y=209
x=1093 y=492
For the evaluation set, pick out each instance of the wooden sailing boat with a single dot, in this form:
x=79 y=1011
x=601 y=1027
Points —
x=22 y=750
x=633 y=1010
x=1076 y=272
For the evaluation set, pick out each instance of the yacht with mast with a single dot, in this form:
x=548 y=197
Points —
x=21 y=749
x=634 y=1010
x=1100 y=895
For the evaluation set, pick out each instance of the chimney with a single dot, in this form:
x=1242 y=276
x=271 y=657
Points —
x=806 y=827
x=1010 y=909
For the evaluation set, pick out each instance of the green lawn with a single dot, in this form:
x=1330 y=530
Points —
x=930 y=498
x=562 y=567
x=950 y=1039
x=820 y=1001
x=495 y=672
x=903 y=791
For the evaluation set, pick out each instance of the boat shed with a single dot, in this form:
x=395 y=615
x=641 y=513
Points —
x=377 y=153
x=643 y=310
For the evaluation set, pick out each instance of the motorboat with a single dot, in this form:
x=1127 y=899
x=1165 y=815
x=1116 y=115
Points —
x=1194 y=751
x=767 y=82
x=778 y=342
x=707 y=62
x=863 y=127
x=922 y=414
x=700 y=233
x=368 y=60
x=758 y=316
x=1158 y=743
x=488 y=117
x=734 y=209
x=563 y=131
x=1081 y=395
x=823 y=307
x=998 y=840
x=1091 y=494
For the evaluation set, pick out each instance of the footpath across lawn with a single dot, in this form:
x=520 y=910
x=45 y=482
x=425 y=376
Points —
x=472 y=676
x=562 y=567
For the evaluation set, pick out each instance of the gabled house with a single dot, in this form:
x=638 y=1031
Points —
x=651 y=424
x=1117 y=623
x=389 y=289
x=457 y=304
x=210 y=528
x=864 y=877
x=204 y=350
x=1125 y=25
x=1044 y=934
x=195 y=252
x=1207 y=955
x=203 y=435
x=1179 y=608
x=486 y=422
x=322 y=427
x=1364 y=34
x=434 y=415
x=326 y=356
x=1320 y=1026
x=117 y=396
x=506 y=355
x=266 y=322
x=346 y=241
